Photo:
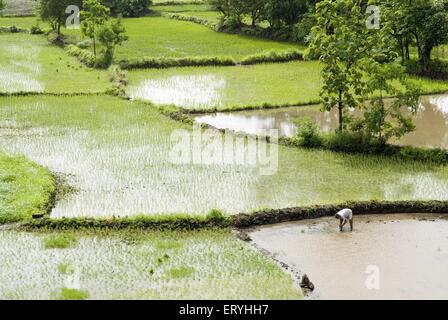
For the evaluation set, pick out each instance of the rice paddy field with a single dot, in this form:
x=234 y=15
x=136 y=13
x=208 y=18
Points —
x=118 y=155
x=137 y=265
x=226 y=88
x=29 y=64
x=20 y=7
x=61 y=128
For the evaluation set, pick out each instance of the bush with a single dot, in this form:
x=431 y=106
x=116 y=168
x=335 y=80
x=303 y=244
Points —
x=85 y=56
x=85 y=44
x=36 y=30
x=55 y=38
x=308 y=134
x=131 y=8
x=272 y=56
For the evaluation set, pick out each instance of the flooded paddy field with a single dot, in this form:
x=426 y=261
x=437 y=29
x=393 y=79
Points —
x=224 y=88
x=431 y=121
x=117 y=155
x=137 y=265
x=29 y=64
x=409 y=253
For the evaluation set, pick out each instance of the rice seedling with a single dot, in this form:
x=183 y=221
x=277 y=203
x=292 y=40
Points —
x=59 y=241
x=29 y=64
x=239 y=87
x=117 y=155
x=210 y=264
x=158 y=37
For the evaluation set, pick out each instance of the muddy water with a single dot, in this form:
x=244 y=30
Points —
x=431 y=121
x=409 y=252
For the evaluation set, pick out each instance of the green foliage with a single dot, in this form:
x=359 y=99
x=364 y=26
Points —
x=341 y=41
x=118 y=79
x=25 y=189
x=308 y=133
x=93 y=15
x=73 y=294
x=360 y=141
x=131 y=8
x=60 y=241
x=161 y=63
x=53 y=11
x=386 y=120
x=110 y=35
x=84 y=56
x=2 y=6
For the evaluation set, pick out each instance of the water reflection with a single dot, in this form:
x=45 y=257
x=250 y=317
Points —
x=183 y=91
x=409 y=251
x=431 y=121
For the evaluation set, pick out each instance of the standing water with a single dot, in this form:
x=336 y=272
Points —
x=431 y=121
x=385 y=257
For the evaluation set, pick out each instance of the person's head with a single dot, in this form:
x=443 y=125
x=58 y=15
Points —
x=337 y=216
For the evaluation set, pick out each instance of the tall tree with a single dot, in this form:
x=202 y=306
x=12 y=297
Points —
x=2 y=5
x=340 y=39
x=53 y=11
x=93 y=15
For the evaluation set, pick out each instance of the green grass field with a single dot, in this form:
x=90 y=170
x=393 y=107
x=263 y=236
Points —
x=120 y=154
x=226 y=88
x=29 y=64
x=25 y=188
x=138 y=265
x=162 y=37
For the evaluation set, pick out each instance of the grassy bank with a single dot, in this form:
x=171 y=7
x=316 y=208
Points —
x=25 y=189
x=132 y=264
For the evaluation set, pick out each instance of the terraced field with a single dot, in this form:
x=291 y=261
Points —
x=29 y=64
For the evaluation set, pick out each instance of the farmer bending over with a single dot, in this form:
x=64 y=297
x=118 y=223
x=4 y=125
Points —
x=344 y=216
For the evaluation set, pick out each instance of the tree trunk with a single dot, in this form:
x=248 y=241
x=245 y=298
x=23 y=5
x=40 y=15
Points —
x=341 y=116
x=426 y=59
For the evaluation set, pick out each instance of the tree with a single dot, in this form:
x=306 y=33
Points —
x=286 y=12
x=383 y=119
x=131 y=8
x=255 y=9
x=2 y=5
x=232 y=11
x=110 y=35
x=93 y=15
x=428 y=22
x=53 y=11
x=340 y=39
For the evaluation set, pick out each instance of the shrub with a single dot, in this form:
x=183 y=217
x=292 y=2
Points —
x=85 y=56
x=308 y=133
x=131 y=8
x=35 y=29
x=85 y=44
x=273 y=56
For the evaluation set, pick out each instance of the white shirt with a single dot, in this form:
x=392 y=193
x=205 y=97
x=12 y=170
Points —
x=345 y=214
